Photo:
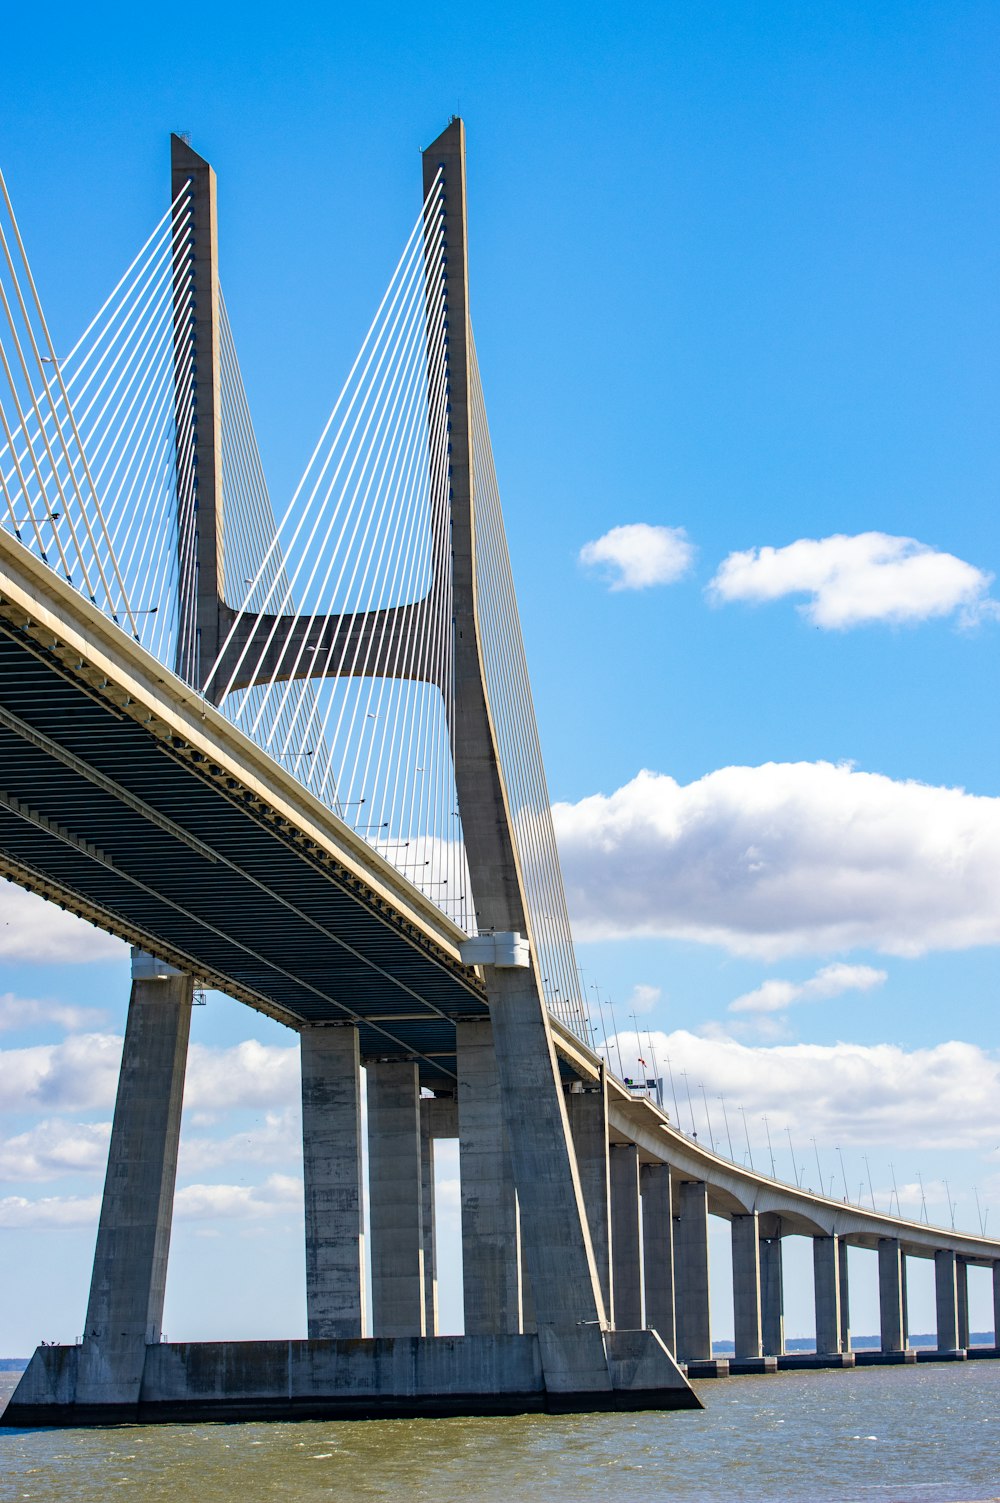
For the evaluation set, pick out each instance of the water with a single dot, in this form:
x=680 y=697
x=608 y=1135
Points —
x=897 y=1435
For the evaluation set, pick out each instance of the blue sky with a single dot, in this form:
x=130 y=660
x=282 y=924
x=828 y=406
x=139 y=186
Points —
x=734 y=272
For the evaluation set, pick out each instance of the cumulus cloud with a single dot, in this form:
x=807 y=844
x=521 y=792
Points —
x=936 y=1098
x=29 y=1012
x=277 y=1139
x=279 y=1194
x=775 y=995
x=55 y=1147
x=81 y=1074
x=32 y=929
x=851 y=581
x=785 y=858
x=639 y=555
x=644 y=998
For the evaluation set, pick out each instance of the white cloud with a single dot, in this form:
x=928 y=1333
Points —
x=853 y=580
x=638 y=555
x=81 y=1074
x=644 y=998
x=802 y=857
x=32 y=929
x=29 y=1012
x=275 y=1141
x=55 y=1147
x=937 y=1098
x=280 y=1193
x=775 y=995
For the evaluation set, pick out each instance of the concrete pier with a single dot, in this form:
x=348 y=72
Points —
x=658 y=1251
x=996 y=1306
x=588 y=1120
x=962 y=1290
x=427 y=1218
x=946 y=1300
x=826 y=1280
x=334 y=1196
x=845 y=1296
x=890 y=1294
x=626 y=1236
x=747 y=1329
x=396 y=1199
x=490 y=1244
x=772 y=1297
x=691 y=1274
x=125 y=1309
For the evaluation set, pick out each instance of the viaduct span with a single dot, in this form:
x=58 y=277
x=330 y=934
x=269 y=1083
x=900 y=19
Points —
x=295 y=760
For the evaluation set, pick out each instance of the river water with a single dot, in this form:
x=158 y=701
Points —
x=929 y=1434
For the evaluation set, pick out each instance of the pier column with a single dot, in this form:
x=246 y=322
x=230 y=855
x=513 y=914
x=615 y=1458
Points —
x=845 y=1296
x=396 y=1195
x=890 y=1294
x=427 y=1218
x=658 y=1251
x=996 y=1306
x=588 y=1122
x=489 y=1204
x=127 y=1289
x=747 y=1329
x=691 y=1279
x=331 y=1171
x=772 y=1297
x=962 y=1283
x=946 y=1299
x=626 y=1241
x=826 y=1284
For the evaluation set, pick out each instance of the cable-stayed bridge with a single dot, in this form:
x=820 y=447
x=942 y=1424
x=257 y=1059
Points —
x=291 y=753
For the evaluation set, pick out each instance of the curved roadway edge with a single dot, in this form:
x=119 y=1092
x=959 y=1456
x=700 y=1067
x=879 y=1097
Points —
x=735 y=1190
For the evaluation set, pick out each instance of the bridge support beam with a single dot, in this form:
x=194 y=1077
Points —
x=490 y=1242
x=332 y=1175
x=658 y=1251
x=588 y=1121
x=396 y=1195
x=891 y=1277
x=747 y=1329
x=996 y=1306
x=828 y=1295
x=626 y=1236
x=962 y=1283
x=772 y=1297
x=694 y=1324
x=946 y=1300
x=125 y=1309
x=845 y=1296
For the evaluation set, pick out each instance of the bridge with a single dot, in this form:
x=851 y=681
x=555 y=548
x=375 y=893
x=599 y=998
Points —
x=294 y=757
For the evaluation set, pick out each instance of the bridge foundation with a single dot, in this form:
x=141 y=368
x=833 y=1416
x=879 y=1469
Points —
x=588 y=1119
x=772 y=1297
x=332 y=1175
x=962 y=1289
x=946 y=1300
x=747 y=1333
x=891 y=1277
x=127 y=1289
x=826 y=1282
x=694 y=1324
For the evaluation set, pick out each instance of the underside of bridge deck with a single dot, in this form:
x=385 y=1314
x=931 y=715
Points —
x=136 y=833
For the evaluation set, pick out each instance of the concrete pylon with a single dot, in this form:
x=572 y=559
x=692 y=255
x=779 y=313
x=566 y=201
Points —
x=962 y=1283
x=588 y=1121
x=826 y=1288
x=891 y=1274
x=746 y=1287
x=626 y=1236
x=332 y=1175
x=490 y=1243
x=125 y=1309
x=845 y=1296
x=772 y=1297
x=946 y=1300
x=396 y=1198
x=658 y=1251
x=691 y=1274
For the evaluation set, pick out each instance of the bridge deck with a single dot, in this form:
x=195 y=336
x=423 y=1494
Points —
x=130 y=801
